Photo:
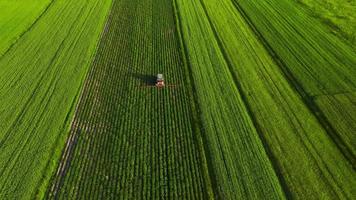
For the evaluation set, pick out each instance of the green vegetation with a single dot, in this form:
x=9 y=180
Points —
x=281 y=115
x=233 y=145
x=259 y=101
x=40 y=78
x=314 y=61
x=339 y=15
x=133 y=140
x=320 y=62
x=340 y=110
x=17 y=17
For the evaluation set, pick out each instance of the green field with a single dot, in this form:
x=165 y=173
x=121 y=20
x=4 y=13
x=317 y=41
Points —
x=338 y=15
x=259 y=102
x=132 y=140
x=40 y=80
x=18 y=17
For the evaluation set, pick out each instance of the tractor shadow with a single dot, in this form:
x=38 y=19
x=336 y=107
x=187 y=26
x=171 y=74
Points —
x=146 y=79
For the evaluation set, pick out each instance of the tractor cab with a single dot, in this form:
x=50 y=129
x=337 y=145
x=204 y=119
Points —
x=160 y=80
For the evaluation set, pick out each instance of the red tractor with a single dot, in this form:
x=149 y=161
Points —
x=160 y=81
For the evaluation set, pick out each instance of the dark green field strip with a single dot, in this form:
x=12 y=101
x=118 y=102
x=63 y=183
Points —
x=40 y=78
x=298 y=144
x=321 y=62
x=239 y=166
x=133 y=141
x=340 y=110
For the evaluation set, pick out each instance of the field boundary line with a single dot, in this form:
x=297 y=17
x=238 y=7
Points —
x=64 y=162
x=294 y=83
x=28 y=29
x=209 y=178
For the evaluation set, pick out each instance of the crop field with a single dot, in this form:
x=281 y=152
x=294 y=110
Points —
x=40 y=78
x=17 y=17
x=313 y=68
x=268 y=94
x=339 y=15
x=133 y=140
x=259 y=99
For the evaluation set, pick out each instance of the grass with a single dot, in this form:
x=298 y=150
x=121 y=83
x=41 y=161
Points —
x=40 y=78
x=134 y=141
x=16 y=18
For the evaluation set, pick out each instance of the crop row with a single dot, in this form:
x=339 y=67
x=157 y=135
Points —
x=259 y=102
x=16 y=18
x=309 y=61
x=133 y=140
x=292 y=134
x=40 y=78
x=321 y=63
x=240 y=168
x=315 y=61
x=340 y=111
x=318 y=61
x=338 y=15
